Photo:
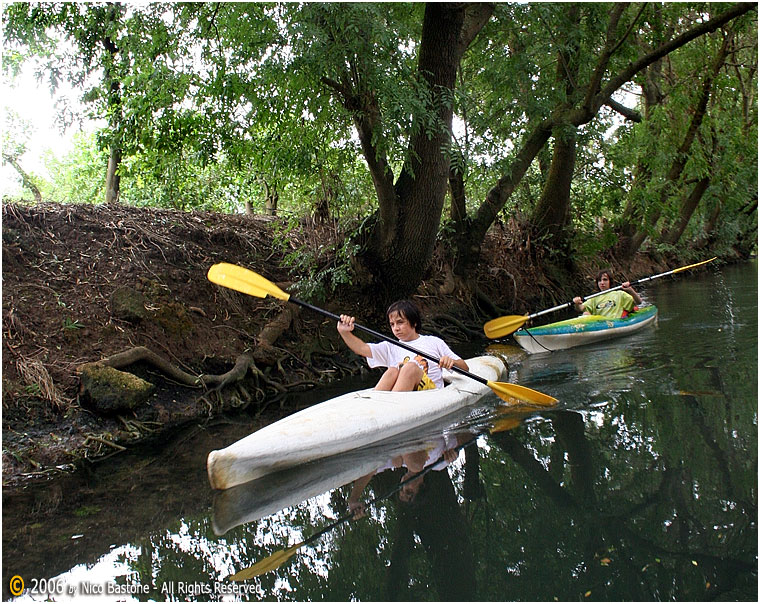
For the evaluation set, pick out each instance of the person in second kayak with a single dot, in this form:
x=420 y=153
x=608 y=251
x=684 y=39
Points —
x=615 y=304
x=406 y=372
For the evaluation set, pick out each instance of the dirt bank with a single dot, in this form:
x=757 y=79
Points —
x=86 y=283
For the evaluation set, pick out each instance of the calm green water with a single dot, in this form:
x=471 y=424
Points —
x=640 y=485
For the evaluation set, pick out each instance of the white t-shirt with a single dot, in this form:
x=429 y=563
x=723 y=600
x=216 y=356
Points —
x=385 y=354
x=434 y=455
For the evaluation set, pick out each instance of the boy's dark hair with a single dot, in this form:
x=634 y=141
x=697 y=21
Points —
x=408 y=310
x=604 y=271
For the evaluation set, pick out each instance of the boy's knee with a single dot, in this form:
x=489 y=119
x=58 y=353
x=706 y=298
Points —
x=388 y=379
x=411 y=370
x=392 y=371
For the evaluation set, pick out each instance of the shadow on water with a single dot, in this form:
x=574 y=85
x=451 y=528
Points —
x=640 y=485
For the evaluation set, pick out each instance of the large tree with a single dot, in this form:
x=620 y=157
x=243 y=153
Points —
x=692 y=103
x=288 y=97
x=612 y=59
x=410 y=187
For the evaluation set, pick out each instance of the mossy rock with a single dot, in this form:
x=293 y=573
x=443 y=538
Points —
x=128 y=304
x=173 y=318
x=110 y=391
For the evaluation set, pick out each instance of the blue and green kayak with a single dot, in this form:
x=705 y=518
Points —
x=583 y=330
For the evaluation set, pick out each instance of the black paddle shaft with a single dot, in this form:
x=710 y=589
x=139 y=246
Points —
x=376 y=334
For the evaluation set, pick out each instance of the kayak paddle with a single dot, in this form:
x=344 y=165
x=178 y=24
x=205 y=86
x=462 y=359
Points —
x=503 y=326
x=246 y=281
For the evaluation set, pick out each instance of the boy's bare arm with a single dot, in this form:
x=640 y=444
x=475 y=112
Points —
x=446 y=362
x=631 y=292
x=345 y=329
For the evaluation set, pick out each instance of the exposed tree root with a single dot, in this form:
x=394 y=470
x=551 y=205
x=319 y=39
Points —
x=243 y=363
x=103 y=441
x=459 y=324
x=261 y=389
x=265 y=352
x=143 y=353
x=486 y=303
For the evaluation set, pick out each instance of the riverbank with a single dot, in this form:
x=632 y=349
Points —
x=126 y=288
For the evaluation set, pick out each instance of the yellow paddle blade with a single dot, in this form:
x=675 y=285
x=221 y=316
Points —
x=507 y=392
x=683 y=268
x=514 y=419
x=504 y=424
x=503 y=326
x=245 y=281
x=265 y=565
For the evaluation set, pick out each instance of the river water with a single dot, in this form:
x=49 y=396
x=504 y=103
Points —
x=640 y=485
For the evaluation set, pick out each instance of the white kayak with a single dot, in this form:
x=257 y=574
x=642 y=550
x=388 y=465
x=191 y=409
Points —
x=271 y=493
x=349 y=421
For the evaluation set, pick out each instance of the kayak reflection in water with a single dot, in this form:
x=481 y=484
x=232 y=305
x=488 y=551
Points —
x=405 y=373
x=615 y=304
x=439 y=457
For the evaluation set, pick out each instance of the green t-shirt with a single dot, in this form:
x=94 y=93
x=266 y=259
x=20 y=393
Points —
x=611 y=304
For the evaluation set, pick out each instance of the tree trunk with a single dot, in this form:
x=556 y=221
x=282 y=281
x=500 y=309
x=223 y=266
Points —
x=651 y=88
x=458 y=201
x=270 y=205
x=271 y=198
x=710 y=227
x=401 y=243
x=551 y=216
x=746 y=240
x=469 y=244
x=113 y=180
x=552 y=213
x=421 y=187
x=682 y=154
x=25 y=178
x=688 y=206
x=329 y=190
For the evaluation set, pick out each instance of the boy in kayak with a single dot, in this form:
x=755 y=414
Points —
x=615 y=304
x=406 y=372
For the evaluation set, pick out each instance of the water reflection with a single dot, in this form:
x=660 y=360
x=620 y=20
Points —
x=628 y=520
x=416 y=491
x=409 y=457
x=437 y=455
x=258 y=498
x=435 y=517
x=641 y=485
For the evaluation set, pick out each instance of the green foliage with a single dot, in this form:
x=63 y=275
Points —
x=16 y=133
x=319 y=258
x=368 y=48
x=87 y=510
x=724 y=149
x=33 y=390
x=217 y=106
x=71 y=324
x=78 y=176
